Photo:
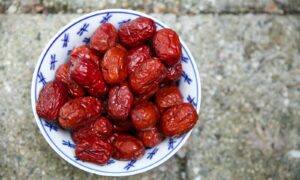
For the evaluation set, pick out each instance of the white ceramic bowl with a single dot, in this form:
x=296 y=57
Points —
x=56 y=53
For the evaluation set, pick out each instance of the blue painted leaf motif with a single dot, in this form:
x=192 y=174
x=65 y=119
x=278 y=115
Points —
x=83 y=29
x=68 y=143
x=70 y=51
x=123 y=22
x=130 y=165
x=152 y=153
x=191 y=100
x=76 y=158
x=184 y=59
x=171 y=143
x=50 y=126
x=53 y=61
x=86 y=40
x=111 y=161
x=186 y=77
x=42 y=78
x=105 y=18
x=65 y=40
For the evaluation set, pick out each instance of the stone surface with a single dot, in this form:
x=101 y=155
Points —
x=152 y=6
x=249 y=129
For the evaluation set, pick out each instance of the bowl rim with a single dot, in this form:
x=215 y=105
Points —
x=38 y=120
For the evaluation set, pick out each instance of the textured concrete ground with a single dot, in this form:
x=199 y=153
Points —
x=159 y=6
x=250 y=112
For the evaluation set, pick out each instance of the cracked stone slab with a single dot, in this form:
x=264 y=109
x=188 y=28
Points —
x=249 y=127
x=152 y=6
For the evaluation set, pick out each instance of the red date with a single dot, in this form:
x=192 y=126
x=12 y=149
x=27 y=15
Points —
x=94 y=149
x=144 y=115
x=104 y=38
x=173 y=73
x=136 y=32
x=51 y=98
x=168 y=96
x=145 y=97
x=178 y=120
x=147 y=76
x=127 y=148
x=137 y=56
x=63 y=75
x=120 y=100
x=79 y=112
x=88 y=75
x=123 y=126
x=84 y=52
x=114 y=65
x=150 y=137
x=167 y=46
x=102 y=126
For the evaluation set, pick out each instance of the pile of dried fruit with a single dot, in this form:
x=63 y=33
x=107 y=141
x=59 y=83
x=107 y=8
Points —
x=117 y=95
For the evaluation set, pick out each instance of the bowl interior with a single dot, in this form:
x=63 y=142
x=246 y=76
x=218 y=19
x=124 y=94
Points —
x=56 y=53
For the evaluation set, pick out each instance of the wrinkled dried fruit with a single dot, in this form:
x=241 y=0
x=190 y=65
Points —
x=51 y=98
x=137 y=56
x=147 y=76
x=112 y=137
x=88 y=75
x=144 y=115
x=114 y=66
x=84 y=52
x=150 y=137
x=145 y=97
x=167 y=46
x=120 y=100
x=63 y=75
x=178 y=120
x=104 y=38
x=101 y=126
x=79 y=112
x=173 y=73
x=136 y=32
x=168 y=96
x=94 y=149
x=128 y=148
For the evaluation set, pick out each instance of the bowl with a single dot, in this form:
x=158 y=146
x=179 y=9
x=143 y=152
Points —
x=56 y=53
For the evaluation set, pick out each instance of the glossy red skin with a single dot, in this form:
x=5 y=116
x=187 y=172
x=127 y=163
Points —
x=150 y=137
x=147 y=76
x=145 y=97
x=120 y=100
x=168 y=96
x=123 y=126
x=173 y=73
x=114 y=65
x=101 y=126
x=136 y=32
x=137 y=56
x=87 y=74
x=51 y=98
x=127 y=147
x=94 y=149
x=144 y=115
x=104 y=38
x=79 y=112
x=178 y=120
x=84 y=52
x=167 y=46
x=63 y=75
x=112 y=137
